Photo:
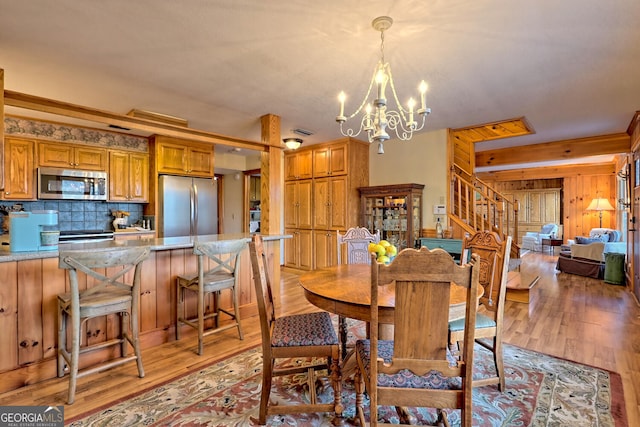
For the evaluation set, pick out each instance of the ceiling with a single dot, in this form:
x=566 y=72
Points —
x=569 y=67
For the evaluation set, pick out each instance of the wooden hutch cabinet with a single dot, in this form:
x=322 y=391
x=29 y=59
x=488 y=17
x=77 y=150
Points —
x=320 y=197
x=395 y=210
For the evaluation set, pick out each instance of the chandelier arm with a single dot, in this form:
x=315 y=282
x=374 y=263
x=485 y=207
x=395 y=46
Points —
x=401 y=110
x=366 y=97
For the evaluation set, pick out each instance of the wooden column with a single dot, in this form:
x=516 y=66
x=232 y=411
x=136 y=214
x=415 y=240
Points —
x=271 y=182
x=271 y=175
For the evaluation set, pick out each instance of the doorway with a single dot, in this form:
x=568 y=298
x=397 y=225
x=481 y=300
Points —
x=252 y=193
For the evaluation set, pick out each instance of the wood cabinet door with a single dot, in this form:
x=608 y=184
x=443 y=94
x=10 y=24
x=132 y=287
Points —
x=338 y=160
x=305 y=250
x=138 y=177
x=305 y=211
x=291 y=249
x=321 y=165
x=305 y=165
x=325 y=242
x=118 y=176
x=290 y=205
x=338 y=203
x=171 y=158
x=90 y=158
x=290 y=172
x=55 y=155
x=321 y=201
x=19 y=169
x=201 y=161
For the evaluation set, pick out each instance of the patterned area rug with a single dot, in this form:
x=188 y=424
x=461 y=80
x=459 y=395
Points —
x=541 y=391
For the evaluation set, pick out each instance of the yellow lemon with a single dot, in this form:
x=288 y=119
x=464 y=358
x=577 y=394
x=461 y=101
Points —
x=384 y=243
x=372 y=247
x=381 y=250
x=392 y=250
x=384 y=259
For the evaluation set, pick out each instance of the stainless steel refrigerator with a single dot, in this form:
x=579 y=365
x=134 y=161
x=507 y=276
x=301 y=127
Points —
x=188 y=206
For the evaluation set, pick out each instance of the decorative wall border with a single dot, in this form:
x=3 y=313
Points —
x=20 y=126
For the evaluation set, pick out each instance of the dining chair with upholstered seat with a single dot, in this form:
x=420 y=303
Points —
x=415 y=369
x=356 y=242
x=493 y=254
x=218 y=268
x=309 y=335
x=114 y=290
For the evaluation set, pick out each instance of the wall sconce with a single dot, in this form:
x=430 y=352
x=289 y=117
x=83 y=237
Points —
x=292 y=143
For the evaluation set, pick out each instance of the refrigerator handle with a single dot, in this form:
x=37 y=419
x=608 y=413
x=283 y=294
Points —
x=194 y=209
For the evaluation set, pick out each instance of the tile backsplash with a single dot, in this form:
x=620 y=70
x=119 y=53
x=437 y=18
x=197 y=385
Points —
x=84 y=215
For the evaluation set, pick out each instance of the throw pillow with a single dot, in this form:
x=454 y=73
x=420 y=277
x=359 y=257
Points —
x=547 y=229
x=586 y=240
x=597 y=237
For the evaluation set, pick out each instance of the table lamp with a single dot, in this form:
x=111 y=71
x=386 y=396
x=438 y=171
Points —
x=600 y=204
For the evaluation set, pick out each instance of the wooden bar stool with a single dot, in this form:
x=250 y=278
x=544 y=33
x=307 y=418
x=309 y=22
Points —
x=116 y=291
x=218 y=267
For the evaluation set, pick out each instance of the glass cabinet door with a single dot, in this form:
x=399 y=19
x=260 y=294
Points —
x=395 y=210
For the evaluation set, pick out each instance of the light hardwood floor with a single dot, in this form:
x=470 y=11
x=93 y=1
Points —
x=573 y=317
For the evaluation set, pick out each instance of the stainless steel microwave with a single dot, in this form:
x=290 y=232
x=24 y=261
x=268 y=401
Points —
x=71 y=184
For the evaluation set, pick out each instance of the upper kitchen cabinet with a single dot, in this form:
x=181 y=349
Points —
x=181 y=157
x=128 y=177
x=72 y=156
x=330 y=160
x=298 y=165
x=19 y=169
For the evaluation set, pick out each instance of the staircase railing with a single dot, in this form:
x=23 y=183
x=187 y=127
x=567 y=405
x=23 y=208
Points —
x=476 y=206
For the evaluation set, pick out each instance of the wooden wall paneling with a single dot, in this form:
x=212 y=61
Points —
x=30 y=311
x=9 y=316
x=148 y=295
x=53 y=286
x=165 y=290
x=570 y=205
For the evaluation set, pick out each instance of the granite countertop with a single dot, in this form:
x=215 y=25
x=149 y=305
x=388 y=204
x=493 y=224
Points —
x=156 y=244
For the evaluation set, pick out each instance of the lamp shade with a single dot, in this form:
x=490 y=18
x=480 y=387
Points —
x=292 y=143
x=600 y=204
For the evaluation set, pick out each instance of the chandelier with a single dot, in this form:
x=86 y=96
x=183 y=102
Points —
x=377 y=119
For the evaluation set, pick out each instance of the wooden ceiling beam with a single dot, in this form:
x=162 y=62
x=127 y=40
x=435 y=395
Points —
x=549 y=172
x=36 y=103
x=559 y=150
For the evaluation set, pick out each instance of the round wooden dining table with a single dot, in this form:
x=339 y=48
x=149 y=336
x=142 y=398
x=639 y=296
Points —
x=345 y=290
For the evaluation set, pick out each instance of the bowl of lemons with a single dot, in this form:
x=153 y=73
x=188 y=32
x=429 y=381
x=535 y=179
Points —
x=385 y=252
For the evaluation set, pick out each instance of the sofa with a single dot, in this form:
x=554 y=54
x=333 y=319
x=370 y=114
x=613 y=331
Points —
x=533 y=240
x=583 y=260
x=611 y=238
x=592 y=256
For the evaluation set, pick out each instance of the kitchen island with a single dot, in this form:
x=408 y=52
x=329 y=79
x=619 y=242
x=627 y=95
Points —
x=31 y=282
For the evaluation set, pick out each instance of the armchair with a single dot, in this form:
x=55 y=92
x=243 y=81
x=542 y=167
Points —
x=533 y=240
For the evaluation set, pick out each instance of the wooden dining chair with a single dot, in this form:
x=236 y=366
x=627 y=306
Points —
x=309 y=335
x=218 y=269
x=493 y=254
x=415 y=369
x=115 y=291
x=356 y=242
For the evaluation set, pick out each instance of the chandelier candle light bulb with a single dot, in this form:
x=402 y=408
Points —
x=377 y=117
